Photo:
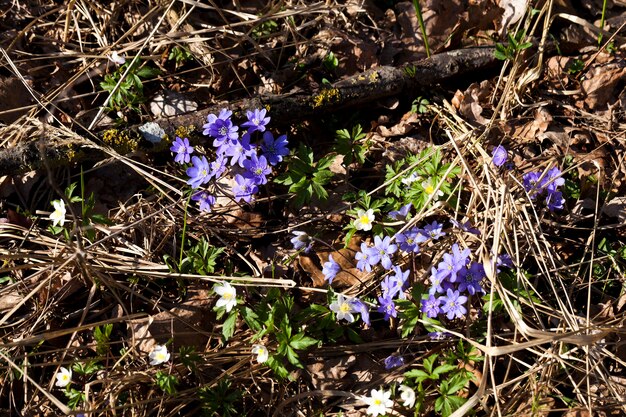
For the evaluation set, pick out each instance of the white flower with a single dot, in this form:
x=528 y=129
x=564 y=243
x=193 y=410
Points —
x=364 y=219
x=228 y=296
x=429 y=188
x=116 y=58
x=261 y=353
x=410 y=179
x=64 y=377
x=58 y=215
x=343 y=307
x=379 y=402
x=159 y=355
x=407 y=395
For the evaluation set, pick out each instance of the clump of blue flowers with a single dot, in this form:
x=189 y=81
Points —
x=545 y=185
x=235 y=147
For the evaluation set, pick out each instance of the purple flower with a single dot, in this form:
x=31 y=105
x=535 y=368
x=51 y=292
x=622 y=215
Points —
x=400 y=281
x=301 y=240
x=205 y=199
x=257 y=169
x=362 y=308
x=499 y=155
x=453 y=304
x=274 y=150
x=552 y=180
x=410 y=239
x=383 y=251
x=431 y=306
x=555 y=200
x=452 y=263
x=364 y=258
x=199 y=173
x=439 y=335
x=389 y=287
x=240 y=151
x=221 y=128
x=470 y=278
x=218 y=167
x=532 y=184
x=244 y=189
x=466 y=227
x=330 y=270
x=434 y=230
x=388 y=307
x=401 y=213
x=393 y=361
x=438 y=283
x=256 y=120
x=504 y=260
x=182 y=150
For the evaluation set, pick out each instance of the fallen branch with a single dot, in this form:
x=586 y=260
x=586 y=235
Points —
x=59 y=147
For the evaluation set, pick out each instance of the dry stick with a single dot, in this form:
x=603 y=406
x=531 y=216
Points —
x=359 y=90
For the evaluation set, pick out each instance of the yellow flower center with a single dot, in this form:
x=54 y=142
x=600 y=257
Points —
x=429 y=189
x=364 y=219
x=377 y=401
x=345 y=308
x=227 y=295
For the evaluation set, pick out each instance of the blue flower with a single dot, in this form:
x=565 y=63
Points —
x=434 y=230
x=532 y=184
x=256 y=120
x=363 y=258
x=400 y=281
x=431 y=306
x=452 y=263
x=466 y=227
x=205 y=199
x=393 y=361
x=257 y=169
x=220 y=127
x=552 y=180
x=301 y=240
x=453 y=304
x=199 y=173
x=389 y=287
x=555 y=200
x=362 y=308
x=330 y=269
x=388 y=307
x=409 y=240
x=499 y=155
x=240 y=150
x=218 y=167
x=182 y=150
x=274 y=150
x=401 y=213
x=244 y=189
x=470 y=278
x=504 y=260
x=383 y=251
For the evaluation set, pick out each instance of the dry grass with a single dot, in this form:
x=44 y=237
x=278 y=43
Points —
x=562 y=345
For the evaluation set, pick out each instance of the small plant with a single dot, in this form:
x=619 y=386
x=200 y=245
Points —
x=166 y=382
x=129 y=94
x=514 y=45
x=576 y=66
x=330 y=62
x=420 y=105
x=221 y=400
x=305 y=177
x=351 y=144
x=180 y=55
x=102 y=335
x=265 y=28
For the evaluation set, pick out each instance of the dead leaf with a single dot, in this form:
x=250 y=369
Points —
x=616 y=208
x=601 y=83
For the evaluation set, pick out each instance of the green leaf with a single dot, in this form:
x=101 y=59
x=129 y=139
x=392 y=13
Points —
x=300 y=341
x=443 y=369
x=417 y=374
x=277 y=366
x=292 y=357
x=429 y=361
x=228 y=329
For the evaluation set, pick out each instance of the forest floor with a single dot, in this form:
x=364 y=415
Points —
x=451 y=245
